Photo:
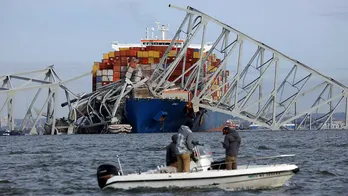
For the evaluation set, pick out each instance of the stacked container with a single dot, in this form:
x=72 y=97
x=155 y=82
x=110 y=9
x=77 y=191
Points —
x=137 y=62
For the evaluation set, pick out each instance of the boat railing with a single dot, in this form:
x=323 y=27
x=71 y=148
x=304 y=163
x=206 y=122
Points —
x=249 y=160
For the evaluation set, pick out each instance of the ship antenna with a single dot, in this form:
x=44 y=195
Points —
x=153 y=29
x=147 y=33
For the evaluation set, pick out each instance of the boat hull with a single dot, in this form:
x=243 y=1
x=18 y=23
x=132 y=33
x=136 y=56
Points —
x=241 y=179
x=142 y=114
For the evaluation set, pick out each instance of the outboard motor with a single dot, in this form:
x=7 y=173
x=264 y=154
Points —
x=105 y=172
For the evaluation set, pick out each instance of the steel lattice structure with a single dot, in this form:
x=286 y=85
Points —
x=38 y=79
x=298 y=93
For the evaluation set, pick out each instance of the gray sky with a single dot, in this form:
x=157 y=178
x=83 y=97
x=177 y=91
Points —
x=73 y=34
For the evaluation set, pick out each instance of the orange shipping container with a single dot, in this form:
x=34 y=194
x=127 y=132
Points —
x=117 y=74
x=132 y=53
x=117 y=68
x=106 y=56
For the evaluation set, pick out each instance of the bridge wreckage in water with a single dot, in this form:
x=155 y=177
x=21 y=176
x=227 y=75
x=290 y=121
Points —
x=243 y=93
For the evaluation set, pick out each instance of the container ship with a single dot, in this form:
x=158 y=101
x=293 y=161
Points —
x=145 y=113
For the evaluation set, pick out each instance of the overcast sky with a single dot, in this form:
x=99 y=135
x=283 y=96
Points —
x=73 y=34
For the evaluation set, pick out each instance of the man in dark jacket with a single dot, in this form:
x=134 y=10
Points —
x=231 y=144
x=171 y=159
x=184 y=146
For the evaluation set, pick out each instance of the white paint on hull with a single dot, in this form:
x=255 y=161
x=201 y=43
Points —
x=253 y=177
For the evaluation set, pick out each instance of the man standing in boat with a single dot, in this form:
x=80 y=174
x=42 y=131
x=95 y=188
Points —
x=231 y=143
x=184 y=146
x=171 y=159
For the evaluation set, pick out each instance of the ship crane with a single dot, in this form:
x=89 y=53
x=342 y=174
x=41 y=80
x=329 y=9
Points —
x=298 y=93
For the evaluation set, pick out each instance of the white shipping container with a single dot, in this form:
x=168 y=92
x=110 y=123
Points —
x=176 y=95
x=110 y=72
x=105 y=79
x=105 y=72
x=99 y=73
x=111 y=78
x=153 y=66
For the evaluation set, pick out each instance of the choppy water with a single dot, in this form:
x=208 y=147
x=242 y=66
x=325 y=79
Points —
x=66 y=165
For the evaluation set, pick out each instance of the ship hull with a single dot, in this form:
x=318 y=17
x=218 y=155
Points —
x=144 y=116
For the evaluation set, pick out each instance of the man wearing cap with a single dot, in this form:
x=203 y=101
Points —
x=231 y=143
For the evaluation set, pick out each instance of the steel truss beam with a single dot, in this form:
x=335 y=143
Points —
x=244 y=94
x=13 y=84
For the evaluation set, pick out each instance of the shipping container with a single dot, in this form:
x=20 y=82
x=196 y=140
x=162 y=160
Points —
x=111 y=54
x=99 y=73
x=116 y=54
x=132 y=53
x=111 y=78
x=105 y=78
x=151 y=60
x=123 y=53
x=95 y=68
x=110 y=72
x=104 y=72
x=117 y=74
x=106 y=56
x=156 y=54
x=99 y=79
x=151 y=54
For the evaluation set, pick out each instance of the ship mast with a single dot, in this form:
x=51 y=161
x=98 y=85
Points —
x=163 y=29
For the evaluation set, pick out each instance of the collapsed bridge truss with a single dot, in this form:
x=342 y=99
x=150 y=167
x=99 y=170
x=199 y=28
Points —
x=265 y=86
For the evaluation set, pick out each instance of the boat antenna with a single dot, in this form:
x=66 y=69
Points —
x=119 y=164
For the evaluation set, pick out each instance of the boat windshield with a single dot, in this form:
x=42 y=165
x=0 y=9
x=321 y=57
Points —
x=204 y=150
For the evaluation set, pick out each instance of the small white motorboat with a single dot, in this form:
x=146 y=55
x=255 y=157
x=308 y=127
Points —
x=204 y=173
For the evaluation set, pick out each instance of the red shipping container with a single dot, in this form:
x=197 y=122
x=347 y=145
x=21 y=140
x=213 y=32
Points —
x=123 y=53
x=117 y=53
x=132 y=53
x=144 y=61
x=117 y=68
x=156 y=60
x=124 y=61
x=117 y=62
x=102 y=66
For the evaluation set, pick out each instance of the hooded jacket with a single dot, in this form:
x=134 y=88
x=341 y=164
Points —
x=184 y=143
x=232 y=143
x=171 y=156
